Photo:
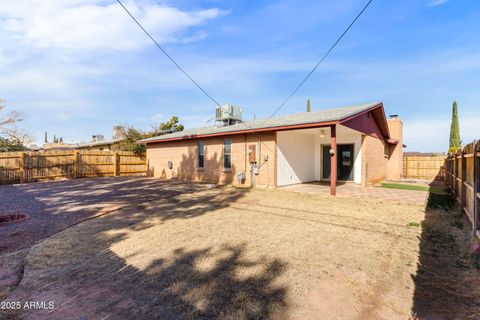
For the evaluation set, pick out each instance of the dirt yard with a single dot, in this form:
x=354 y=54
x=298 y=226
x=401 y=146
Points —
x=203 y=253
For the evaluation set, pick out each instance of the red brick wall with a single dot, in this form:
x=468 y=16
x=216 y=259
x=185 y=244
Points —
x=374 y=160
x=183 y=155
x=377 y=166
x=395 y=160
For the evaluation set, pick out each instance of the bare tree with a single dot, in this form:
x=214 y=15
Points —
x=10 y=124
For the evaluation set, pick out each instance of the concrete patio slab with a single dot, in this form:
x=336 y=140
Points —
x=352 y=190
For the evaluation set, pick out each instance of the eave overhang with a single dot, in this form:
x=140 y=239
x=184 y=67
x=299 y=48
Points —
x=376 y=111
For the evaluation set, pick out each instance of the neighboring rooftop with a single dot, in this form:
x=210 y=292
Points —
x=314 y=117
x=118 y=134
x=103 y=142
x=423 y=154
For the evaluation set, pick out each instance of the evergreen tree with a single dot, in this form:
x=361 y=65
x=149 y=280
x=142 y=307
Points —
x=61 y=140
x=308 y=105
x=10 y=145
x=172 y=125
x=132 y=135
x=46 y=137
x=455 y=142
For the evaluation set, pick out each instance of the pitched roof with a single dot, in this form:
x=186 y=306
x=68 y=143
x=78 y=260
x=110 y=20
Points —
x=295 y=119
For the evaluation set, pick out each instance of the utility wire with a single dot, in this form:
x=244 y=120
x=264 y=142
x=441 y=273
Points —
x=174 y=62
x=168 y=56
x=318 y=64
x=291 y=94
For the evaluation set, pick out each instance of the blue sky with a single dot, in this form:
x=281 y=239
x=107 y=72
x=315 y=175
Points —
x=76 y=68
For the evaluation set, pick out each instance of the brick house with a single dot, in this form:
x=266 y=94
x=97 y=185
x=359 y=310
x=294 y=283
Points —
x=354 y=143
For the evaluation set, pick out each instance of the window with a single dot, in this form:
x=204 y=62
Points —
x=227 y=154
x=346 y=158
x=201 y=155
x=386 y=150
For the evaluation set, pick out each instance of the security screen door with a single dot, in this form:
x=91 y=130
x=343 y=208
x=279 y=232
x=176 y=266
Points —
x=345 y=160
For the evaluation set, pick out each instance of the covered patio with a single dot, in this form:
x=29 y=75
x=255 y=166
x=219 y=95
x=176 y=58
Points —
x=307 y=155
x=336 y=152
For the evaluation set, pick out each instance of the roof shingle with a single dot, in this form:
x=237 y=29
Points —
x=326 y=115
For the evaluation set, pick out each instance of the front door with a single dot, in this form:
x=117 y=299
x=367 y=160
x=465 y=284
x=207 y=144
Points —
x=344 y=162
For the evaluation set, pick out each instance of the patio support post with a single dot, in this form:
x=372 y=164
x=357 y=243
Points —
x=333 y=160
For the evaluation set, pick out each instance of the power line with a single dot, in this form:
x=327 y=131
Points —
x=321 y=60
x=174 y=62
x=211 y=98
x=168 y=56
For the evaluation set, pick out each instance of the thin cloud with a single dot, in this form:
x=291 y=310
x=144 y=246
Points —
x=436 y=3
x=93 y=25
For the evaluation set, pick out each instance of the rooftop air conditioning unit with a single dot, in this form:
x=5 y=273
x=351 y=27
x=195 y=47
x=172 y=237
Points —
x=98 y=137
x=228 y=114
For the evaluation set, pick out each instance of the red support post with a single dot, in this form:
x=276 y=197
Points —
x=333 y=160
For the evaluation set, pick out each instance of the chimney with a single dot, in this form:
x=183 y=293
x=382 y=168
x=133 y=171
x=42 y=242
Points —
x=395 y=160
x=118 y=132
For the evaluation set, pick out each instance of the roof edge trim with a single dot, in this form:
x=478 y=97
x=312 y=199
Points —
x=278 y=128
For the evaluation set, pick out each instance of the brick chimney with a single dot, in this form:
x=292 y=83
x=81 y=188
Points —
x=395 y=160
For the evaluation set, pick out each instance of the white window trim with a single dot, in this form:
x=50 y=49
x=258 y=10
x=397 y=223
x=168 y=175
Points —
x=198 y=156
x=231 y=143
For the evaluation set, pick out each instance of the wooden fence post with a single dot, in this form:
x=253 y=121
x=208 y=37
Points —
x=21 y=165
x=476 y=190
x=76 y=164
x=406 y=167
x=464 y=179
x=450 y=168
x=456 y=175
x=115 y=163
x=447 y=171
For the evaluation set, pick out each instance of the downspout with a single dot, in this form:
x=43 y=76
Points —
x=245 y=153
x=262 y=161
x=259 y=159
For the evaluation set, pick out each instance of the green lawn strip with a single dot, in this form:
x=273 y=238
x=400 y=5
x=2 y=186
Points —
x=405 y=186
x=437 y=190
x=414 y=187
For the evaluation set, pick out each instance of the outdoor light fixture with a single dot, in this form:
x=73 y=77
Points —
x=322 y=134
x=332 y=152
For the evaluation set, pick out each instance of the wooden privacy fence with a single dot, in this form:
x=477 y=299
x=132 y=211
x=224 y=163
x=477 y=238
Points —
x=463 y=178
x=18 y=167
x=424 y=167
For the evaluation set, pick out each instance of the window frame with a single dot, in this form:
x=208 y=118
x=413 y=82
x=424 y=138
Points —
x=386 y=150
x=227 y=153
x=200 y=143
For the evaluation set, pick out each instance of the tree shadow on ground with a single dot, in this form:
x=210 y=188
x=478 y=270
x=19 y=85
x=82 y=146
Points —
x=447 y=282
x=53 y=206
x=166 y=289
x=178 y=289
x=213 y=170
x=86 y=279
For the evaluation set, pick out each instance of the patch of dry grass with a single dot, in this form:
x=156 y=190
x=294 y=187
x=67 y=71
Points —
x=234 y=254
